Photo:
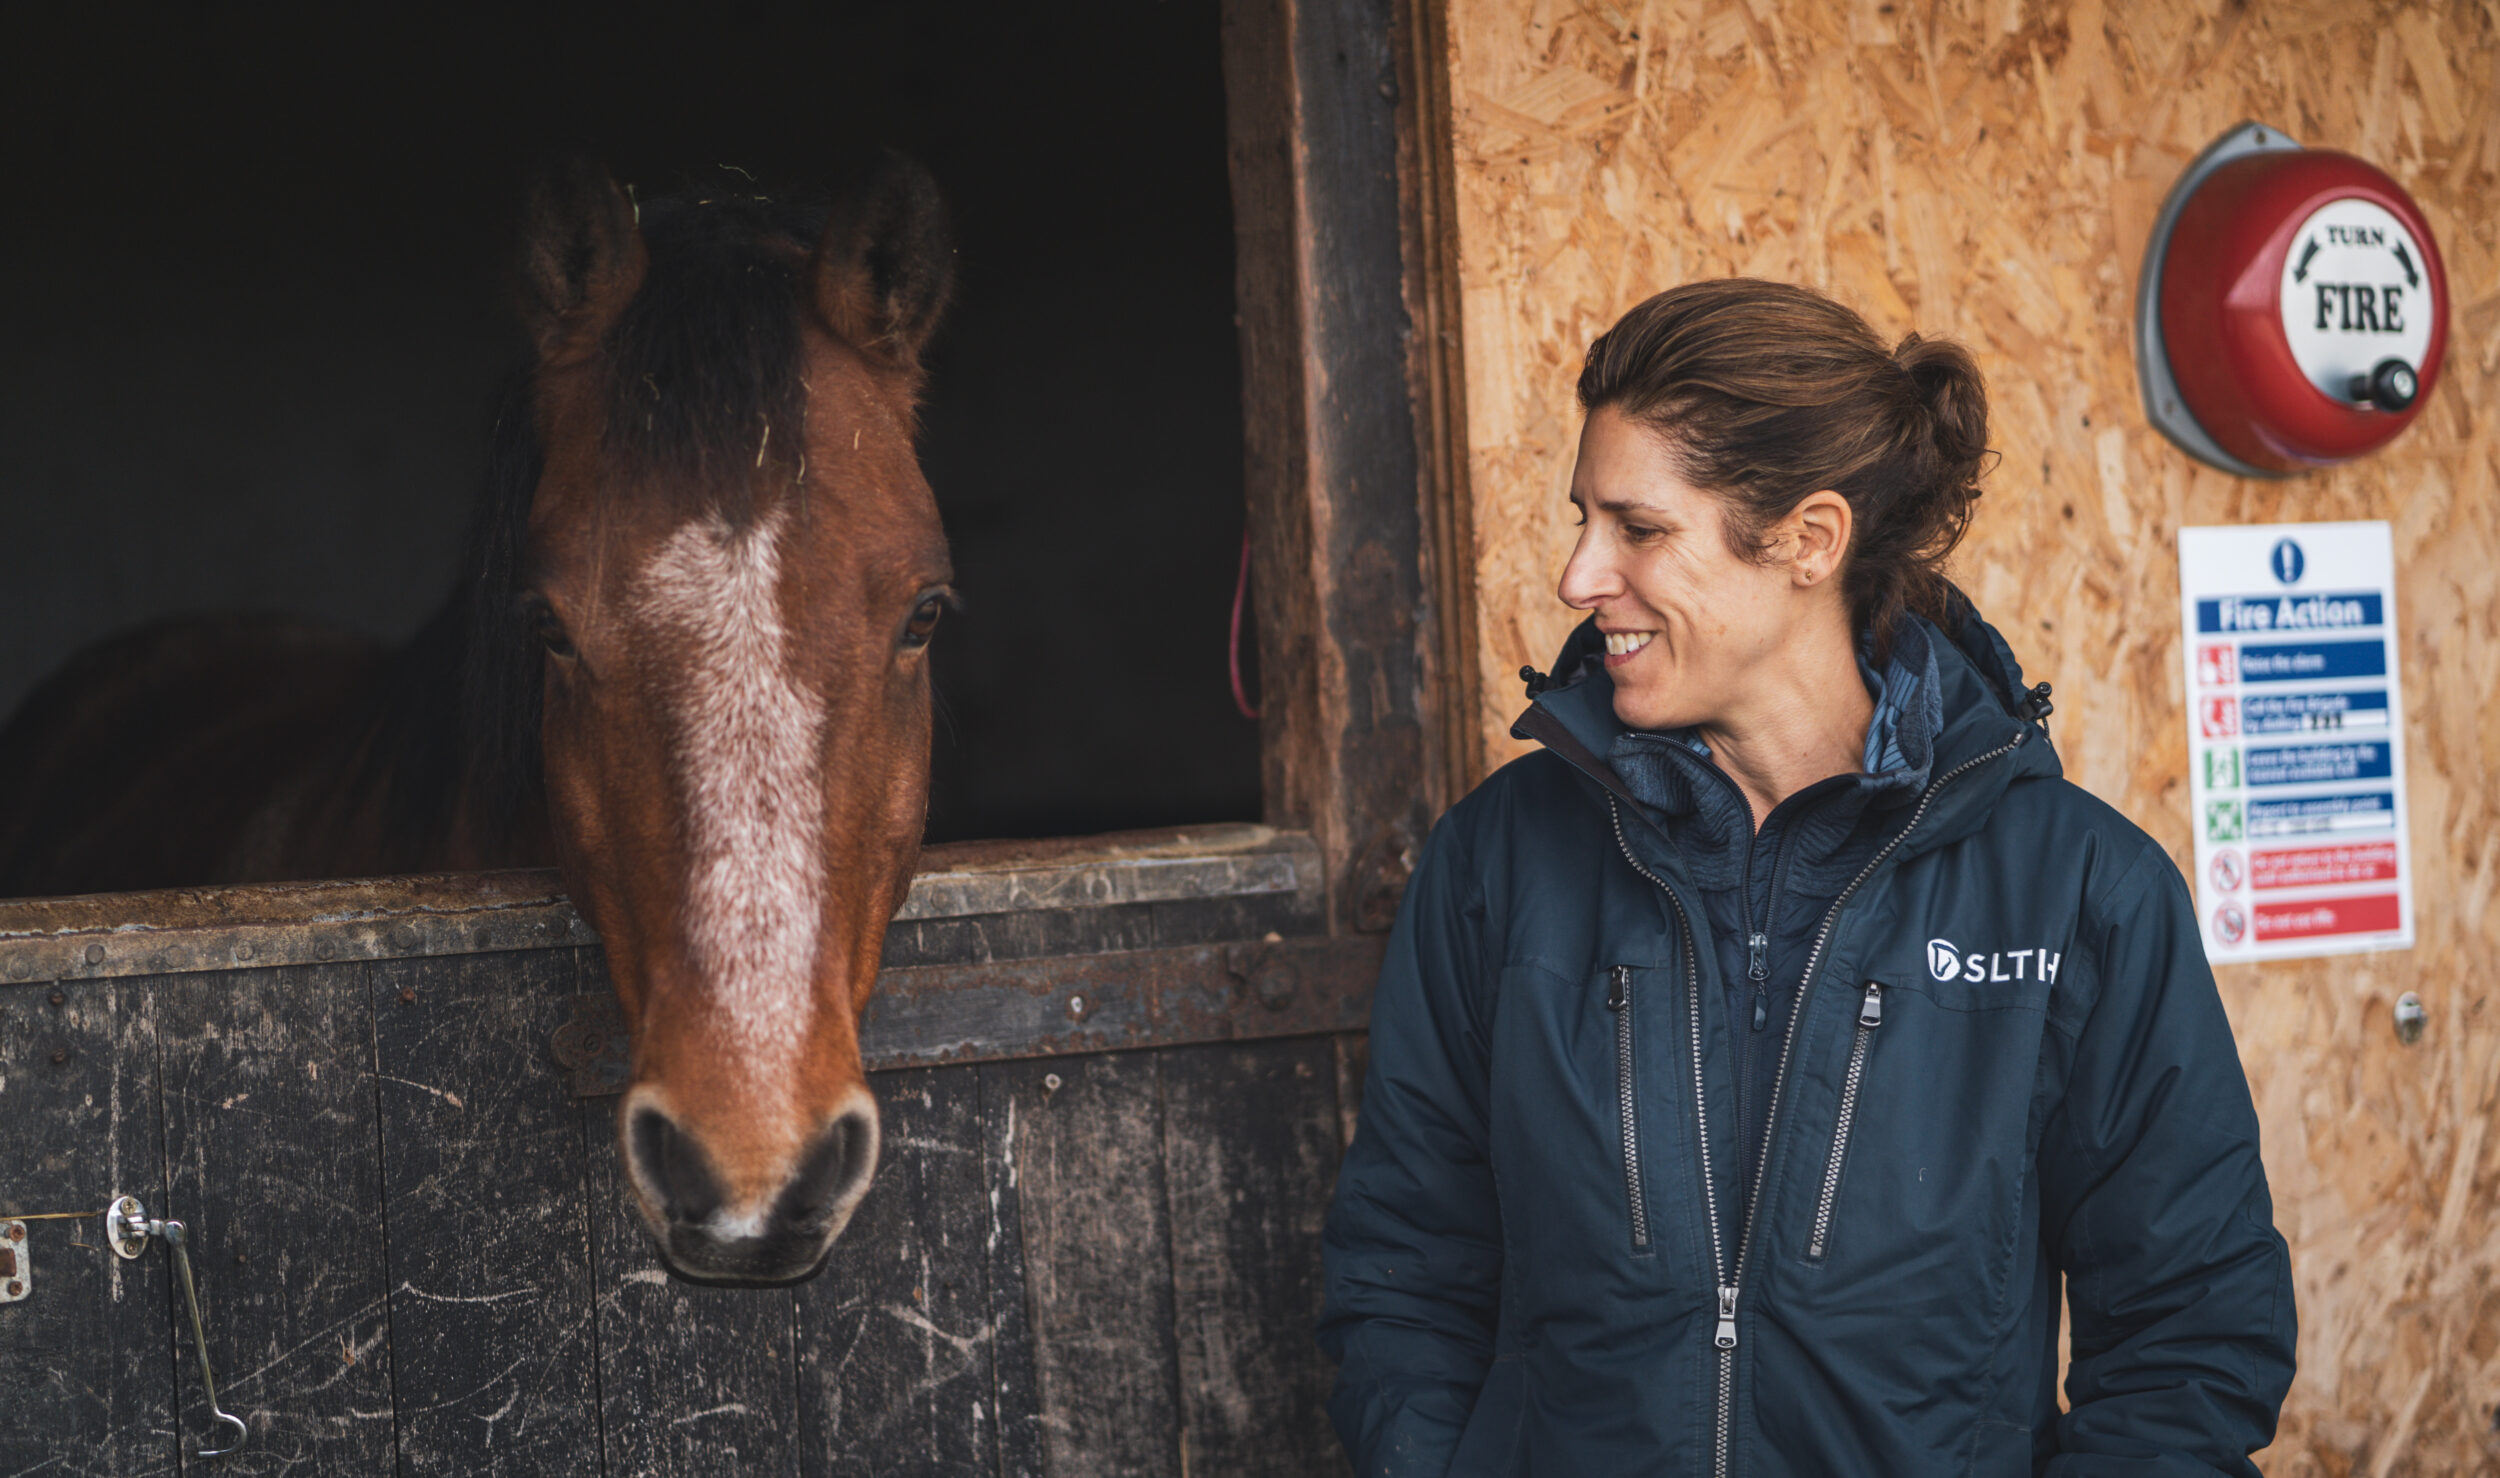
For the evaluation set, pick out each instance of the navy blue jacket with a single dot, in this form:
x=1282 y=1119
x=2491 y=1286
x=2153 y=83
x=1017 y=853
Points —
x=2002 y=1065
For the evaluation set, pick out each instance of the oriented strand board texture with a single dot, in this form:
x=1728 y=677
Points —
x=1990 y=169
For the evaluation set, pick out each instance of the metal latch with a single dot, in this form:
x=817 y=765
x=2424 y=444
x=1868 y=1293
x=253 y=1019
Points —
x=127 y=1229
x=17 y=1272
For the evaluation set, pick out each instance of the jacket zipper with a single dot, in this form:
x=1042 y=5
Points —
x=1870 y=1016
x=1725 y=1338
x=1619 y=1001
x=1731 y=1287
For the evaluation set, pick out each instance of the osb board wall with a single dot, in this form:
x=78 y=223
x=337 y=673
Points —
x=1990 y=169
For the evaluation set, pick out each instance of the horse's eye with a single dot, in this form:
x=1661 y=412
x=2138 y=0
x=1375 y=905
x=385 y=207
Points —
x=924 y=620
x=549 y=628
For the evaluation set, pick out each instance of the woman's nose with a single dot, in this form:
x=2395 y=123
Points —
x=1588 y=578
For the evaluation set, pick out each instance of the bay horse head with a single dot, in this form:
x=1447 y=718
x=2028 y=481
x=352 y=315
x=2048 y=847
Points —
x=735 y=566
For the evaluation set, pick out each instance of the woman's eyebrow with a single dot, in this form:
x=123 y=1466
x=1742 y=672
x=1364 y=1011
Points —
x=1627 y=505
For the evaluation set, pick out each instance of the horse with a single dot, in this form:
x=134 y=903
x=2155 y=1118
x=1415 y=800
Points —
x=687 y=661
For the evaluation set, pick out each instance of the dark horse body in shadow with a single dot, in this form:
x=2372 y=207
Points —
x=685 y=661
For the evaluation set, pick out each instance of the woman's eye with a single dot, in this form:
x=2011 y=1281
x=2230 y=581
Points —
x=1639 y=533
x=924 y=620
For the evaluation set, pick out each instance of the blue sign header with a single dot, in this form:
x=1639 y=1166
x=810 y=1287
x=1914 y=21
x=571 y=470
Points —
x=2326 y=611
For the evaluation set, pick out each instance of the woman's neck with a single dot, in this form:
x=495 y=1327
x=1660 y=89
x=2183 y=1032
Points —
x=1804 y=720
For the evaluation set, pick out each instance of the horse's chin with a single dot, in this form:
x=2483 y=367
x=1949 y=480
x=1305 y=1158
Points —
x=702 y=1280
x=765 y=1263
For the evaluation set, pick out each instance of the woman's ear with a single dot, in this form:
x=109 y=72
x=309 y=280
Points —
x=1816 y=534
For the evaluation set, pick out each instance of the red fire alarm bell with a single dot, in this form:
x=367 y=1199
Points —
x=2292 y=310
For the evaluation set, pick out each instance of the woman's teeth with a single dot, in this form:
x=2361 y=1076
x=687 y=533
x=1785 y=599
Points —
x=1625 y=643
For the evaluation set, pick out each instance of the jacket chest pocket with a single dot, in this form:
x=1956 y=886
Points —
x=1852 y=1085
x=1623 y=999
x=1588 y=1138
x=1929 y=1143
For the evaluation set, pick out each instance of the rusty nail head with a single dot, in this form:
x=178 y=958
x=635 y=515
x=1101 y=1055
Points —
x=95 y=954
x=19 y=969
x=16 y=1289
x=1050 y=1082
x=1076 y=1005
x=57 y=998
x=60 y=1055
x=243 y=951
x=407 y=995
x=17 y=1231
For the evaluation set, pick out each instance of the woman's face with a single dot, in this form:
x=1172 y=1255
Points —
x=1689 y=622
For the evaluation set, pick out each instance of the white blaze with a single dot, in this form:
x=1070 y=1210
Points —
x=745 y=739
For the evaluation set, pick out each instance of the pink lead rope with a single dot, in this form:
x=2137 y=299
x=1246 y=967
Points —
x=1241 y=591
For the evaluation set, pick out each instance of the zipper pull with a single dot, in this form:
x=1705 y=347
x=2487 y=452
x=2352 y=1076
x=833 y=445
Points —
x=1761 y=1010
x=1871 y=1010
x=1759 y=967
x=1726 y=1338
x=1619 y=987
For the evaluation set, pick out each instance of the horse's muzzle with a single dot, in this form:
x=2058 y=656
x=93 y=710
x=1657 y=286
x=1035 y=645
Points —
x=705 y=1240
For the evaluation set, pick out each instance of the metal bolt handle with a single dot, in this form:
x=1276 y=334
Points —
x=127 y=1228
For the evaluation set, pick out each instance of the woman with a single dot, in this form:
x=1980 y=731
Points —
x=1752 y=1065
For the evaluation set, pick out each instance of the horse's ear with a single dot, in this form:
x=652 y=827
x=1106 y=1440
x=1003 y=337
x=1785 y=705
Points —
x=887 y=264
x=581 y=256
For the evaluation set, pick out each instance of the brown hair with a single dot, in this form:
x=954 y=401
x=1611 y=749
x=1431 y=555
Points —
x=1767 y=392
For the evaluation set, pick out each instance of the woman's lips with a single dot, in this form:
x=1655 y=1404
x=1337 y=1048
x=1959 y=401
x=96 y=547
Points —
x=1623 y=646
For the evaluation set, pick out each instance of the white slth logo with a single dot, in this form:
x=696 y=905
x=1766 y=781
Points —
x=1945 y=961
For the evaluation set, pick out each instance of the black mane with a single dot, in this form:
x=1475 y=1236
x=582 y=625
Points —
x=703 y=365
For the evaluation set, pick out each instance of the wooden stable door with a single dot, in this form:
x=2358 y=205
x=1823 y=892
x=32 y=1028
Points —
x=382 y=1113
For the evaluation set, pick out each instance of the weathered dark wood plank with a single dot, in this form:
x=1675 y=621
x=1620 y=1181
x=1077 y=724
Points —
x=492 y=1347
x=1354 y=1061
x=691 y=1380
x=270 y=1136
x=1088 y=1156
x=896 y=1342
x=1250 y=1151
x=85 y=1358
x=1021 y=1446
x=1138 y=998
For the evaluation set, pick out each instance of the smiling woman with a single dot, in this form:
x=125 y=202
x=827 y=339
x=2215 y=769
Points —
x=1784 y=765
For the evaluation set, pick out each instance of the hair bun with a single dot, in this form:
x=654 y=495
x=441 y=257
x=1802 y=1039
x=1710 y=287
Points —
x=1955 y=399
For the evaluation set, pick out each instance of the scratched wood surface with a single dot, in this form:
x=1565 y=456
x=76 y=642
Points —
x=1249 y=1133
x=1991 y=170
x=492 y=1336
x=79 y=1119
x=274 y=1156
x=415 y=1253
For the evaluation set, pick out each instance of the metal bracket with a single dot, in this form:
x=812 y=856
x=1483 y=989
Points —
x=594 y=1046
x=17 y=1271
x=2162 y=405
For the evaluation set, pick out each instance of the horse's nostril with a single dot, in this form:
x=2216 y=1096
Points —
x=832 y=1173
x=674 y=1169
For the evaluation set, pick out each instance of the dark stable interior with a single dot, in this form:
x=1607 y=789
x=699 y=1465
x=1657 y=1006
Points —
x=254 y=310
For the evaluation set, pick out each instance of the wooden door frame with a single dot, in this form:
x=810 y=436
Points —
x=1354 y=455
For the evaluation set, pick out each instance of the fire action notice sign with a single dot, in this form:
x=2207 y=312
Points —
x=2296 y=739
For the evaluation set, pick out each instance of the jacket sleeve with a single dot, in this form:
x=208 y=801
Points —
x=2155 y=1198
x=1413 y=1246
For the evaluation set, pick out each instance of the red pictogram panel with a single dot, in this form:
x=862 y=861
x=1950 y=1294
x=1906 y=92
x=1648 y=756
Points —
x=2311 y=918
